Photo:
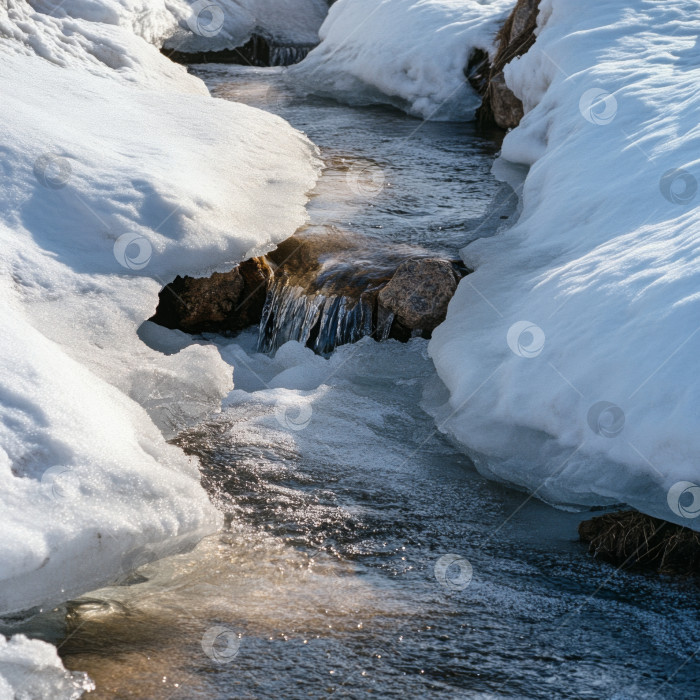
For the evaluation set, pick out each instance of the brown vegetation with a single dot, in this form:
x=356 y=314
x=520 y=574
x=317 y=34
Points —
x=629 y=538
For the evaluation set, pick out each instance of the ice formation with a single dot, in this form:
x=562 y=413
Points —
x=208 y=25
x=32 y=669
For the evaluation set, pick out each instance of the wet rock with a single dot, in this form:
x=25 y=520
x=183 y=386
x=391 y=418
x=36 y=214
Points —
x=225 y=302
x=418 y=293
x=337 y=262
x=320 y=289
x=499 y=105
x=325 y=291
x=631 y=539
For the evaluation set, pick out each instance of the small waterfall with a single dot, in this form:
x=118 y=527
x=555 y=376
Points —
x=329 y=288
x=257 y=51
x=287 y=55
x=319 y=321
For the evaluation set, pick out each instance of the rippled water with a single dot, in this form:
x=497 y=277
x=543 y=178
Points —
x=342 y=496
x=398 y=179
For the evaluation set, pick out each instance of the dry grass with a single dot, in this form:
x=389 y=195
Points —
x=628 y=538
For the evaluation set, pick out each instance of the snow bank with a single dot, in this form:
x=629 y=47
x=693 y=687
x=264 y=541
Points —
x=180 y=25
x=105 y=38
x=569 y=352
x=409 y=53
x=118 y=172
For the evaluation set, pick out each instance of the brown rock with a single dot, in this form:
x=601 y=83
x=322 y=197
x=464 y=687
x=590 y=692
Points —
x=321 y=289
x=419 y=292
x=499 y=105
x=225 y=302
x=338 y=262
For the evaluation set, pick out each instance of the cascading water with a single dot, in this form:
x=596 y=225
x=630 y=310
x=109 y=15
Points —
x=319 y=321
x=325 y=291
x=258 y=51
x=288 y=55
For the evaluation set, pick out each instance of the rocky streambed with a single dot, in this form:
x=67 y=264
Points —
x=320 y=289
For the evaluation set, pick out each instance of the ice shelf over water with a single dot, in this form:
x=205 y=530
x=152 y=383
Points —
x=227 y=24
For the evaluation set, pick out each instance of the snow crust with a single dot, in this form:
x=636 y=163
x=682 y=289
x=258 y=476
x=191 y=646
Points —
x=118 y=172
x=32 y=669
x=569 y=352
x=409 y=53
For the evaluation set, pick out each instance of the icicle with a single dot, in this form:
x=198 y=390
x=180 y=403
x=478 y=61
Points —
x=287 y=55
x=321 y=322
x=384 y=322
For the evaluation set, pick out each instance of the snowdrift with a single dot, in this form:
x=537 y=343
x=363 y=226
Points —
x=189 y=25
x=32 y=669
x=118 y=172
x=569 y=352
x=408 y=53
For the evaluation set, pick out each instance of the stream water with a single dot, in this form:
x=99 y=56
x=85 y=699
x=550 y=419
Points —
x=364 y=555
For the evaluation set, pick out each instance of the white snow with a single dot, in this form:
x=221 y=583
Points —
x=32 y=669
x=409 y=53
x=596 y=401
x=62 y=35
x=117 y=172
x=181 y=25
x=213 y=25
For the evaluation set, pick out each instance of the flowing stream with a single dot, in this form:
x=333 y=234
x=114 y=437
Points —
x=364 y=556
